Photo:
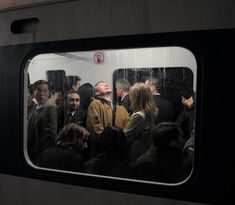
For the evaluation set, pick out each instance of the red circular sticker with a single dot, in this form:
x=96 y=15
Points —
x=98 y=58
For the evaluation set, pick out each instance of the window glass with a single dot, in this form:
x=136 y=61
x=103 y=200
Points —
x=126 y=113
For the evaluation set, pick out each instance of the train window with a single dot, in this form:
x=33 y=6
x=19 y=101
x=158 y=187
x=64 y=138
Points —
x=124 y=113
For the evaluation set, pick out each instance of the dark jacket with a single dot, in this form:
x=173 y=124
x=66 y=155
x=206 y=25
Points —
x=165 y=109
x=127 y=103
x=42 y=128
x=65 y=117
x=100 y=165
x=61 y=157
x=186 y=121
x=30 y=109
x=170 y=167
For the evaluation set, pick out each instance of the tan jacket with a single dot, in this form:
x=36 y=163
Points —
x=100 y=116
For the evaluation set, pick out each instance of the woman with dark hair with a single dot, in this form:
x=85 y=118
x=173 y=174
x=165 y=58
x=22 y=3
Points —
x=67 y=153
x=86 y=92
x=142 y=122
x=113 y=159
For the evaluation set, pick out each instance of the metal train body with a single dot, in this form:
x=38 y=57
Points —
x=127 y=32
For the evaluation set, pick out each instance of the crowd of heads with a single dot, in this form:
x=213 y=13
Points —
x=114 y=142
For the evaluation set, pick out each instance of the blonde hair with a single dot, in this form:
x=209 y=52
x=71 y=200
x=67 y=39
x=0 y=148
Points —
x=142 y=99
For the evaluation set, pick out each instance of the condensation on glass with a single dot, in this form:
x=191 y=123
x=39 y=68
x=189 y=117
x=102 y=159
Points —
x=79 y=121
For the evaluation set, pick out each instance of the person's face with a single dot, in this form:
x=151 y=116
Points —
x=119 y=92
x=56 y=96
x=183 y=100
x=73 y=101
x=152 y=88
x=42 y=93
x=186 y=101
x=104 y=88
x=30 y=98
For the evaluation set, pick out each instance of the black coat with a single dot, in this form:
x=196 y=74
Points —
x=65 y=117
x=62 y=158
x=186 y=121
x=42 y=128
x=171 y=167
x=30 y=109
x=165 y=109
x=127 y=103
x=110 y=167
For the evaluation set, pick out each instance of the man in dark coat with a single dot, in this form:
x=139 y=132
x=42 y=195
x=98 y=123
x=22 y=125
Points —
x=165 y=108
x=42 y=124
x=122 y=91
x=186 y=118
x=71 y=112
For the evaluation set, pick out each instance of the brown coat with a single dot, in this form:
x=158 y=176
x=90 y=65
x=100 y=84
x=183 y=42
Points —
x=100 y=116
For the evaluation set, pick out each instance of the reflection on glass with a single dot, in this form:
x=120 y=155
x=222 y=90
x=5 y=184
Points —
x=130 y=116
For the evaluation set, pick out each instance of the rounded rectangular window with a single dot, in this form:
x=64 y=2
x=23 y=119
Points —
x=124 y=113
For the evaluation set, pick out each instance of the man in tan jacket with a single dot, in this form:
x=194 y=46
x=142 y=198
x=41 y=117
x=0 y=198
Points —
x=102 y=113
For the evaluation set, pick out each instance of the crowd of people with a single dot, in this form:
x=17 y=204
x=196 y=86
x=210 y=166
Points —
x=84 y=130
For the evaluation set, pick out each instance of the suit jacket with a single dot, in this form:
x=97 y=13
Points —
x=127 y=103
x=186 y=121
x=42 y=129
x=165 y=109
x=31 y=109
x=65 y=117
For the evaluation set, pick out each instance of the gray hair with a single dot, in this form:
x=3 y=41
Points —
x=124 y=84
x=151 y=81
